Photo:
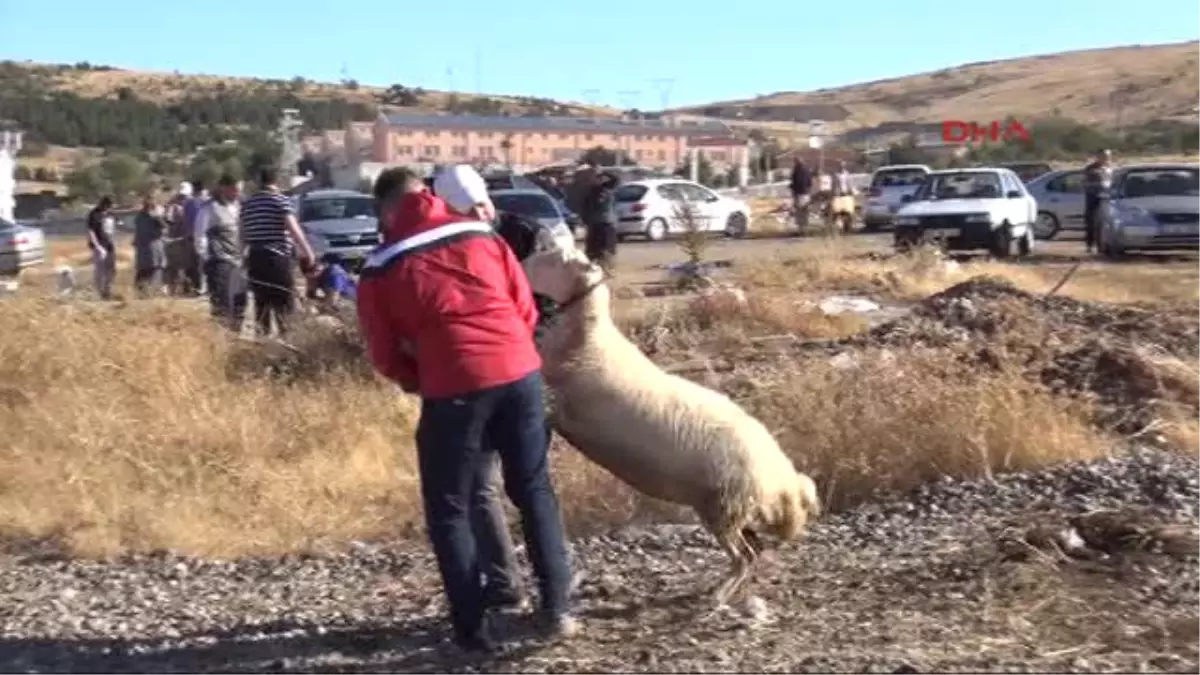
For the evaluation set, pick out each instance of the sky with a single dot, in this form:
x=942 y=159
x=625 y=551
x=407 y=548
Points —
x=635 y=55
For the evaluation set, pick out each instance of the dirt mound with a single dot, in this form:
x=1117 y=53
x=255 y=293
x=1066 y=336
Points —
x=1128 y=360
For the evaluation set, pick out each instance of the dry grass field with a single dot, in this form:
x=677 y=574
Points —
x=135 y=426
x=1154 y=82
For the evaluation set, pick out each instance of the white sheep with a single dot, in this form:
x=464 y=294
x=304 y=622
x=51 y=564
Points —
x=666 y=436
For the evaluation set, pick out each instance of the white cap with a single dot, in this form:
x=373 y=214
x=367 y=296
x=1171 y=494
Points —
x=185 y=189
x=461 y=187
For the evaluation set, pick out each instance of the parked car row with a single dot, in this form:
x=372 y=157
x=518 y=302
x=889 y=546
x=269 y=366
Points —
x=1151 y=207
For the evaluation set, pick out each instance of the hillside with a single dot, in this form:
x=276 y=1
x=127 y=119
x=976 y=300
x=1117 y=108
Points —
x=1110 y=87
x=91 y=81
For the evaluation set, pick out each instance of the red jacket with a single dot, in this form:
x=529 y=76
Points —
x=444 y=305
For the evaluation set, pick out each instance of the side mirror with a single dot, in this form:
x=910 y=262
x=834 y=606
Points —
x=1013 y=194
x=572 y=219
x=713 y=199
x=906 y=199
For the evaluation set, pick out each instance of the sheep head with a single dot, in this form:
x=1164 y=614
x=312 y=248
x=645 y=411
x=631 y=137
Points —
x=562 y=274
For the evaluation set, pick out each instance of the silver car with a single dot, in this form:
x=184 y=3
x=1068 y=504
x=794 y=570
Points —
x=341 y=223
x=1059 y=195
x=889 y=185
x=21 y=246
x=1154 y=207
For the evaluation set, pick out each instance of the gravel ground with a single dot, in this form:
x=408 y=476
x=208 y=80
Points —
x=1010 y=575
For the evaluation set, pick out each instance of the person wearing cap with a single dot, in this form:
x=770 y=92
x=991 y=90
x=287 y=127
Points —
x=446 y=312
x=192 y=262
x=497 y=555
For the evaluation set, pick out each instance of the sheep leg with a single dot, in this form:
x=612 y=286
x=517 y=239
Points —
x=741 y=554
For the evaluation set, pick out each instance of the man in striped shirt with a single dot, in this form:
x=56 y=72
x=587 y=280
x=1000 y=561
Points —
x=271 y=234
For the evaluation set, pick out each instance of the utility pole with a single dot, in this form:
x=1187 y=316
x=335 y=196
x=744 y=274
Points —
x=663 y=85
x=478 y=73
x=290 y=151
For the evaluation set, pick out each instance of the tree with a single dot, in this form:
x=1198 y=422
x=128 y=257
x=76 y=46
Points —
x=400 y=95
x=704 y=170
x=602 y=156
x=87 y=182
x=126 y=176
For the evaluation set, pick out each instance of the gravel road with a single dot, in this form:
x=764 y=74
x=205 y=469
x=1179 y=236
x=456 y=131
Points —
x=959 y=576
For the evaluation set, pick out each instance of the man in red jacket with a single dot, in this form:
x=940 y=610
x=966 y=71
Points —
x=447 y=312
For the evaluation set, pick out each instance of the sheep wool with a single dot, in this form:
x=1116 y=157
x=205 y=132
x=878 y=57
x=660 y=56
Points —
x=664 y=435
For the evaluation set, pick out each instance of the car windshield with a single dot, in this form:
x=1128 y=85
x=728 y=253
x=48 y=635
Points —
x=1160 y=183
x=536 y=206
x=336 y=208
x=898 y=178
x=629 y=193
x=960 y=185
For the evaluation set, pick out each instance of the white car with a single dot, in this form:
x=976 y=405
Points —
x=966 y=209
x=889 y=186
x=651 y=208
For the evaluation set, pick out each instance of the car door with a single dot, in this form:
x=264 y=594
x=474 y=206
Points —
x=1064 y=198
x=669 y=203
x=1015 y=210
x=673 y=200
x=700 y=202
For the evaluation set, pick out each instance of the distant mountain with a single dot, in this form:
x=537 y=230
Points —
x=1111 y=87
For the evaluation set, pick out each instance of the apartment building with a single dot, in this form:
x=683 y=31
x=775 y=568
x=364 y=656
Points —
x=531 y=141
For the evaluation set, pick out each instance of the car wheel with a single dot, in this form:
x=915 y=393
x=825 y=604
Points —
x=656 y=230
x=1025 y=244
x=736 y=226
x=1002 y=242
x=1046 y=226
x=905 y=241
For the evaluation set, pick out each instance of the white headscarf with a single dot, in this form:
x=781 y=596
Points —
x=462 y=188
x=185 y=189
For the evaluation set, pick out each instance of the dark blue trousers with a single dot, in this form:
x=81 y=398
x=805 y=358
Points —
x=453 y=439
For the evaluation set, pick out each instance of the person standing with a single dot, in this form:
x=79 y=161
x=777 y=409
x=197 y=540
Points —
x=149 y=249
x=497 y=555
x=1097 y=185
x=101 y=233
x=801 y=188
x=176 y=243
x=447 y=312
x=219 y=246
x=192 y=264
x=598 y=214
x=272 y=236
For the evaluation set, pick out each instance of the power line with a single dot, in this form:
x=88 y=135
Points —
x=629 y=98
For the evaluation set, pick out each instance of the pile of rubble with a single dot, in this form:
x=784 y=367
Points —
x=1126 y=359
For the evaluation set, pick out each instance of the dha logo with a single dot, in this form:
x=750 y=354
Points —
x=958 y=131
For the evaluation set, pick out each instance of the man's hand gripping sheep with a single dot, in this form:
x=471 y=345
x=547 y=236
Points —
x=666 y=436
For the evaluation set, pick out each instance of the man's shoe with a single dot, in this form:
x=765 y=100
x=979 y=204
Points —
x=559 y=626
x=502 y=598
x=478 y=642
